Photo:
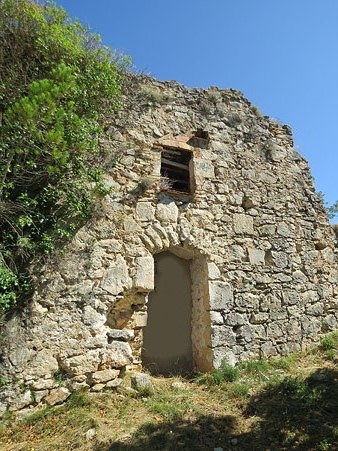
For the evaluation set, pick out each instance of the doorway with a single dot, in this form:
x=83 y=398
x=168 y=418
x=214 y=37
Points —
x=167 y=345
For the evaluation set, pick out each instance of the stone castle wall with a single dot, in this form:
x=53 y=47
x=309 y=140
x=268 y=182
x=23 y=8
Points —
x=263 y=255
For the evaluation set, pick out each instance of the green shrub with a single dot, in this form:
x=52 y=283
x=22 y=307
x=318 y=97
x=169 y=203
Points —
x=255 y=367
x=331 y=354
x=239 y=389
x=225 y=373
x=79 y=398
x=8 y=285
x=329 y=342
x=57 y=82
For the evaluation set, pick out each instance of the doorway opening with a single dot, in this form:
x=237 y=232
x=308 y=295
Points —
x=167 y=342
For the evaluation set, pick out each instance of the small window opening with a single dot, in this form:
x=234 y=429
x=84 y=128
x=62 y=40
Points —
x=175 y=170
x=200 y=139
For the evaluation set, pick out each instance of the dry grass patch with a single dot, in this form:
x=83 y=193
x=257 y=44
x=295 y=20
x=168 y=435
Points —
x=285 y=403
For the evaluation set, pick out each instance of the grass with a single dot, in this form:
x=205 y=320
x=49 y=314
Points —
x=287 y=403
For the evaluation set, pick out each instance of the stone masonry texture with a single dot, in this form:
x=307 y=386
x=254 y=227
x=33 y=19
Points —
x=264 y=265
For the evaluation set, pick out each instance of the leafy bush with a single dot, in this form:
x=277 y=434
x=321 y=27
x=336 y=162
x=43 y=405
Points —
x=57 y=80
x=8 y=284
x=329 y=342
x=225 y=373
x=255 y=367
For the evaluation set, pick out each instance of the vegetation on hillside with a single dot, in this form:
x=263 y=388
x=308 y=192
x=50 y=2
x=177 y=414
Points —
x=287 y=403
x=333 y=210
x=56 y=81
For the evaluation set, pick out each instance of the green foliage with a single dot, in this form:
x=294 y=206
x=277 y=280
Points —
x=300 y=391
x=171 y=408
x=333 y=210
x=37 y=416
x=57 y=80
x=225 y=373
x=284 y=363
x=329 y=342
x=255 y=367
x=79 y=399
x=239 y=389
x=3 y=380
x=8 y=285
x=59 y=376
x=324 y=445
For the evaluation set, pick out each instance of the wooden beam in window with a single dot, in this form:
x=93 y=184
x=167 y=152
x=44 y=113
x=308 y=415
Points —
x=173 y=163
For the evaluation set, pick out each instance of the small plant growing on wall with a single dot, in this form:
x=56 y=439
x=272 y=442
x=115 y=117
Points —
x=166 y=183
x=152 y=97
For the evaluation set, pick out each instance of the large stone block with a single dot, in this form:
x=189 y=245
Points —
x=116 y=279
x=243 y=224
x=43 y=364
x=92 y=318
x=203 y=169
x=220 y=295
x=57 y=396
x=120 y=354
x=103 y=376
x=80 y=364
x=144 y=274
x=222 y=336
x=167 y=212
x=256 y=256
x=145 y=211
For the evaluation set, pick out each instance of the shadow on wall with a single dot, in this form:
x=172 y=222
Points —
x=288 y=415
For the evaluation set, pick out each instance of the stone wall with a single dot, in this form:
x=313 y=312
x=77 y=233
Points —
x=263 y=255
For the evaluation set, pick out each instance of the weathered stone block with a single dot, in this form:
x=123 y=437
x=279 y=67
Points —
x=57 y=396
x=256 y=256
x=97 y=387
x=243 y=224
x=42 y=384
x=121 y=334
x=167 y=212
x=235 y=319
x=23 y=400
x=120 y=354
x=114 y=383
x=222 y=336
x=141 y=381
x=216 y=318
x=144 y=274
x=39 y=395
x=221 y=296
x=92 y=318
x=203 y=169
x=145 y=211
x=103 y=376
x=139 y=319
x=43 y=364
x=246 y=332
x=117 y=277
x=80 y=364
x=213 y=271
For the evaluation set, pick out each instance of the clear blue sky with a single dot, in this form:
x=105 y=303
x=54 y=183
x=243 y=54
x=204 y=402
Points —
x=282 y=54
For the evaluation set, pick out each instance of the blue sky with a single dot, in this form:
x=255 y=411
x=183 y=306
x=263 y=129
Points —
x=282 y=54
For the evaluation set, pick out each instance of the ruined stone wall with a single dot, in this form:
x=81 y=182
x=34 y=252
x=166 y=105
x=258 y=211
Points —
x=263 y=256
